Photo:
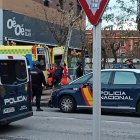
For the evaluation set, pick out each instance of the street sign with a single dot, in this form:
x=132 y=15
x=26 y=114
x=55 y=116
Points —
x=94 y=9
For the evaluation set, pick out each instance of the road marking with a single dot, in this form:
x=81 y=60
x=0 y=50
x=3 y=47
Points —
x=61 y=118
x=118 y=122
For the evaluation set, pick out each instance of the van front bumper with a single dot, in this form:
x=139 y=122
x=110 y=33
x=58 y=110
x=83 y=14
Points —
x=16 y=117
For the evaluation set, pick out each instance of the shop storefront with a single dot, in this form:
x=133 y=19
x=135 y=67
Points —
x=21 y=28
x=24 y=30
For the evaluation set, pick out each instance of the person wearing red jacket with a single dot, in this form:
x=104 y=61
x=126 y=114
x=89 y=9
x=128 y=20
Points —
x=50 y=76
x=65 y=76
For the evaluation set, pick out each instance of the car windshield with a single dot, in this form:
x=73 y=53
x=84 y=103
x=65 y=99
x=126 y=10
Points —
x=13 y=72
x=83 y=79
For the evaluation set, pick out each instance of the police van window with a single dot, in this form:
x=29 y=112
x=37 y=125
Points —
x=7 y=74
x=20 y=69
x=105 y=76
x=124 y=78
x=13 y=72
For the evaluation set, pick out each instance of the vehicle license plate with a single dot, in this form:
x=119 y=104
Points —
x=8 y=110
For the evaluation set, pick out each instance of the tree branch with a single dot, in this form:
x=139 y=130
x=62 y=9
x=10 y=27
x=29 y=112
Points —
x=79 y=16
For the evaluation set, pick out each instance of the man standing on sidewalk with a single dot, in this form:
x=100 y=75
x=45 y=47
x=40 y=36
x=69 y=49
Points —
x=37 y=78
x=57 y=76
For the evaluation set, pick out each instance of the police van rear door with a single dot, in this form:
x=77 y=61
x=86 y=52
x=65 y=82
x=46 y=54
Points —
x=14 y=94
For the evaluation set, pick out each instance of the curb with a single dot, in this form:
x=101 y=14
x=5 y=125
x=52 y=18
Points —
x=41 y=104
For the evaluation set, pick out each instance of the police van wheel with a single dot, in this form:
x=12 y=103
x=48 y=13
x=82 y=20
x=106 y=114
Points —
x=67 y=104
x=138 y=108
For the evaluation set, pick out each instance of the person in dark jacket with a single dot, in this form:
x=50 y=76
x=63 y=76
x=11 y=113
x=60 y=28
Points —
x=37 y=78
x=57 y=76
x=79 y=70
x=130 y=64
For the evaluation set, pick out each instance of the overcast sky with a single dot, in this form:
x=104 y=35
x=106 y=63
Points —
x=129 y=24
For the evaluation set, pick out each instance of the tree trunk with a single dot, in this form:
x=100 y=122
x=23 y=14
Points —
x=67 y=45
x=114 y=55
x=104 y=57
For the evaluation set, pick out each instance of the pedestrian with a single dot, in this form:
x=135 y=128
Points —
x=79 y=70
x=130 y=64
x=57 y=76
x=37 y=78
x=50 y=75
x=65 y=76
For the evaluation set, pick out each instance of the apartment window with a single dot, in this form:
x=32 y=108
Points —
x=61 y=2
x=122 y=42
x=136 y=43
x=79 y=8
x=46 y=3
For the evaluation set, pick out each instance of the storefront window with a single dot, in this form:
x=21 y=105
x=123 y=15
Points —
x=72 y=64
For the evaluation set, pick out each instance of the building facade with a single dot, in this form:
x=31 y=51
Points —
x=30 y=22
x=128 y=40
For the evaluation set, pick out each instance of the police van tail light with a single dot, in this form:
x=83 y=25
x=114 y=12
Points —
x=2 y=91
x=10 y=57
x=30 y=83
x=28 y=91
x=29 y=88
x=26 y=87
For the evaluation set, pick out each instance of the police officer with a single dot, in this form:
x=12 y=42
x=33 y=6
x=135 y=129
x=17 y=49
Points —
x=79 y=70
x=37 y=78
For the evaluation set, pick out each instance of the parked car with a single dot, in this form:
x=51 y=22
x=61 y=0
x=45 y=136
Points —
x=120 y=92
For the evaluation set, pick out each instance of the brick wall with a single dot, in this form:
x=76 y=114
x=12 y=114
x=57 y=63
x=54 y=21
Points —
x=33 y=8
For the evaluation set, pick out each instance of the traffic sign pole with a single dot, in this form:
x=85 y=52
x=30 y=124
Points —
x=96 y=81
x=94 y=10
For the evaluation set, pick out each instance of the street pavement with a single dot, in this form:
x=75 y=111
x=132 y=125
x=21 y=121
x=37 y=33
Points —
x=52 y=124
x=46 y=94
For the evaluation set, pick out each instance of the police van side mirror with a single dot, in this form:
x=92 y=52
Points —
x=85 y=85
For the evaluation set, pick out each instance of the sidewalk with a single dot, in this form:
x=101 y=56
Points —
x=44 y=98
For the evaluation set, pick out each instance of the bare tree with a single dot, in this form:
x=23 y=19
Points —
x=57 y=25
x=62 y=27
x=72 y=18
x=114 y=32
